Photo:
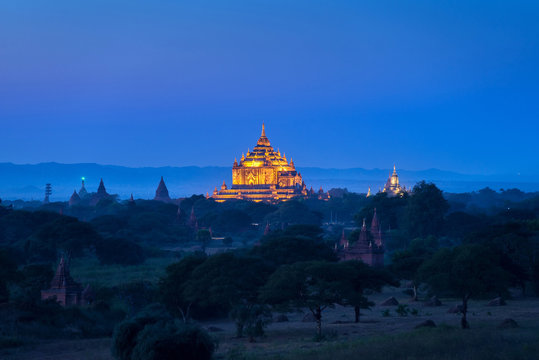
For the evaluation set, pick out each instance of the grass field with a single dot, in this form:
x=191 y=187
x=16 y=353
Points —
x=378 y=336
x=383 y=333
x=90 y=271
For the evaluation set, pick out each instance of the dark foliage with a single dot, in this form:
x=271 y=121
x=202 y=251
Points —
x=119 y=251
x=296 y=243
x=154 y=335
x=425 y=210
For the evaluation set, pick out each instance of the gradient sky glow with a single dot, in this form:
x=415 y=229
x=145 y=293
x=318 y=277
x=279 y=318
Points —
x=446 y=84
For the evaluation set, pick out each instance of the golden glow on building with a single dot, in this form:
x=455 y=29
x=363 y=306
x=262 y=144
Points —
x=263 y=175
x=392 y=186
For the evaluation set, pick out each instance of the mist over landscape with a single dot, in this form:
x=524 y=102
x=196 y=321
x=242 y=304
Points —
x=27 y=182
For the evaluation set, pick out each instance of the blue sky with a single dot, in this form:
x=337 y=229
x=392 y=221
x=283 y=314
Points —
x=423 y=84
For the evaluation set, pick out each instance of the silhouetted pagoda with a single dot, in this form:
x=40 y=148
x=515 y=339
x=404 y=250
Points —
x=161 y=194
x=369 y=248
x=193 y=221
x=74 y=199
x=101 y=194
x=63 y=288
x=82 y=192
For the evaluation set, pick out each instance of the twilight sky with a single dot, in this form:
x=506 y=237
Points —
x=446 y=84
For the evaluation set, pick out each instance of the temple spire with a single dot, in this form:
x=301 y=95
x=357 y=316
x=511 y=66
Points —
x=161 y=194
x=101 y=191
x=263 y=141
x=75 y=199
x=82 y=191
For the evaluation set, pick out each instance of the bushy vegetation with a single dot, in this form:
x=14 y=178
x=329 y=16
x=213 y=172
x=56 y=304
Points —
x=467 y=246
x=153 y=334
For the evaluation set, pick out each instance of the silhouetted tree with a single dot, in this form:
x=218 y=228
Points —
x=425 y=211
x=296 y=243
x=465 y=271
x=315 y=285
x=405 y=263
x=204 y=238
x=356 y=277
x=154 y=335
x=172 y=285
x=230 y=282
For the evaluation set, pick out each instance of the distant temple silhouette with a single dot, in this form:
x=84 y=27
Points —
x=161 y=194
x=83 y=197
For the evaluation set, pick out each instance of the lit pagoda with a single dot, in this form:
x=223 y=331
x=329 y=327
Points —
x=392 y=186
x=263 y=175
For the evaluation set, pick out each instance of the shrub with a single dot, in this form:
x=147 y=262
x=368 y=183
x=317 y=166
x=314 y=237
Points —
x=154 y=335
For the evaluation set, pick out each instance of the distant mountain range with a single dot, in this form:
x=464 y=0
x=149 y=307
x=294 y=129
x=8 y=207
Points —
x=27 y=182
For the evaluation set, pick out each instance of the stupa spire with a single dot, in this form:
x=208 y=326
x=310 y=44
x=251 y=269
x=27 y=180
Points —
x=101 y=191
x=263 y=141
x=161 y=194
x=75 y=198
x=83 y=192
x=193 y=222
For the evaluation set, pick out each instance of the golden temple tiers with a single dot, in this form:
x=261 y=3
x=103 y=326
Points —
x=263 y=174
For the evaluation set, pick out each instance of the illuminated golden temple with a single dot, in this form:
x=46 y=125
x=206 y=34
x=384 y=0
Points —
x=263 y=175
x=392 y=186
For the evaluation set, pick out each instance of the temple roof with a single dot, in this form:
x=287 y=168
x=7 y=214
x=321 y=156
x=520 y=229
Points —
x=101 y=191
x=82 y=191
x=263 y=141
x=161 y=194
x=74 y=199
x=62 y=279
x=263 y=154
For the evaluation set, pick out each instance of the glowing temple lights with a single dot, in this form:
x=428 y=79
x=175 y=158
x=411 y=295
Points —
x=263 y=175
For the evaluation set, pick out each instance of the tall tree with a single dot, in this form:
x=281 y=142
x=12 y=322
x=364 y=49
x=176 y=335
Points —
x=465 y=271
x=172 y=285
x=425 y=211
x=356 y=277
x=315 y=285
x=405 y=263
x=230 y=282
